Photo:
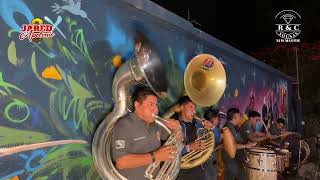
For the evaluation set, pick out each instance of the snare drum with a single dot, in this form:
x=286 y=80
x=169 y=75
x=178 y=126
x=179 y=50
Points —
x=283 y=158
x=261 y=164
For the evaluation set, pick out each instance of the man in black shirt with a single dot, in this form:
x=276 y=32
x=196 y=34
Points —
x=232 y=166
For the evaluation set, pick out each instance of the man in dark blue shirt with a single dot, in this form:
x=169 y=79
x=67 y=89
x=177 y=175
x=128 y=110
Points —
x=277 y=128
x=190 y=127
x=213 y=123
x=248 y=129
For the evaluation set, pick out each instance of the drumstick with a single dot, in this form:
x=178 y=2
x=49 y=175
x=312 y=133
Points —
x=218 y=147
x=262 y=139
x=266 y=128
x=281 y=135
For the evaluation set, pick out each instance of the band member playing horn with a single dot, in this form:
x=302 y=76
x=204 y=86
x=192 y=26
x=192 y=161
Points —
x=190 y=127
x=213 y=121
x=136 y=137
x=248 y=129
x=233 y=168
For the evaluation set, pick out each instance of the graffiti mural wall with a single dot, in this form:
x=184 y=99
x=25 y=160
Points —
x=54 y=93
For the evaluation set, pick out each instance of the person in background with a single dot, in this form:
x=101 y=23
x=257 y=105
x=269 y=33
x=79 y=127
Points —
x=209 y=166
x=248 y=129
x=233 y=167
x=276 y=129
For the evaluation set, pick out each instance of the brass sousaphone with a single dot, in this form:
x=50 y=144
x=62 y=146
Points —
x=205 y=82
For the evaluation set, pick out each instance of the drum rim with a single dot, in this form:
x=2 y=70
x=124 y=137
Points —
x=262 y=154
x=261 y=169
x=266 y=152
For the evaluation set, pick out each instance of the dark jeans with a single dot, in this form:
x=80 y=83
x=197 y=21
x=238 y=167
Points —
x=210 y=170
x=232 y=170
x=205 y=171
x=232 y=166
x=195 y=173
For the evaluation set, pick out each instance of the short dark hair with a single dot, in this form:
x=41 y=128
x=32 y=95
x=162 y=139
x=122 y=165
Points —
x=281 y=120
x=253 y=114
x=184 y=100
x=231 y=112
x=141 y=93
x=211 y=113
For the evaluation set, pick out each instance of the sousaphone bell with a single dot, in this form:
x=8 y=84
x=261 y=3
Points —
x=205 y=82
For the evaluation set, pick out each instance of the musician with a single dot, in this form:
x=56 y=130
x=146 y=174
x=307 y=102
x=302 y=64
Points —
x=277 y=128
x=213 y=122
x=190 y=126
x=248 y=128
x=233 y=167
x=136 y=137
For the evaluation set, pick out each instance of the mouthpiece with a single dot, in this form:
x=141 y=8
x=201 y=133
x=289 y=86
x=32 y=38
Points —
x=159 y=118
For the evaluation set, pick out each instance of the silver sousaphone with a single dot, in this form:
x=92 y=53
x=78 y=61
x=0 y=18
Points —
x=147 y=68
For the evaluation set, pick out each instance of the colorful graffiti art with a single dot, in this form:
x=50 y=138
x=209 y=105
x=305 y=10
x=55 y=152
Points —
x=54 y=92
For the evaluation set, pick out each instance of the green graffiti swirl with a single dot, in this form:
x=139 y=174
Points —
x=19 y=104
x=10 y=32
x=6 y=86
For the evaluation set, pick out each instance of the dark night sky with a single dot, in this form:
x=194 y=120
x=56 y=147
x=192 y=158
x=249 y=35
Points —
x=247 y=25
